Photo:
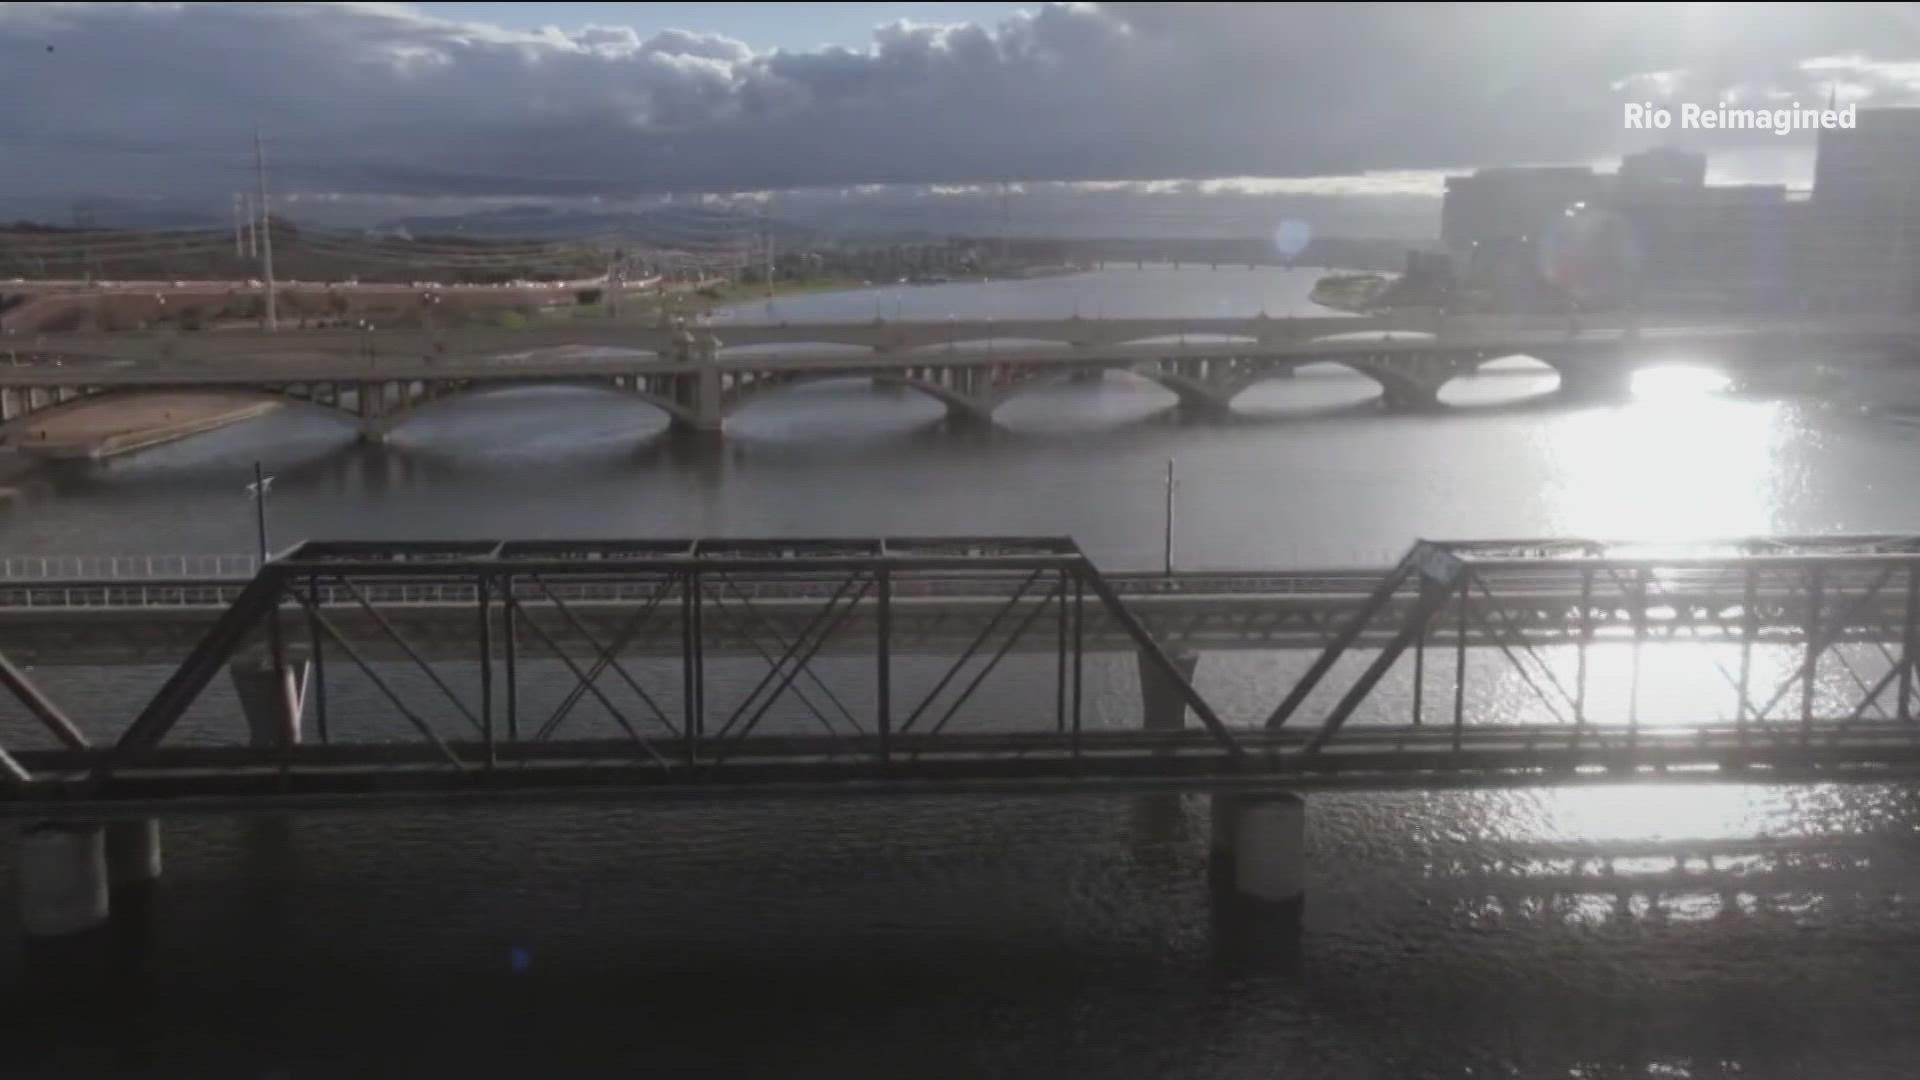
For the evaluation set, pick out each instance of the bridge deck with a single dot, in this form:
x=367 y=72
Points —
x=223 y=779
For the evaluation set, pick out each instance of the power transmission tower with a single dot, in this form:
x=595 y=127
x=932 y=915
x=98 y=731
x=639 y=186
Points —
x=266 y=228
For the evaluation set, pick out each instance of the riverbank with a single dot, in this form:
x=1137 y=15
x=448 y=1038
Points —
x=121 y=425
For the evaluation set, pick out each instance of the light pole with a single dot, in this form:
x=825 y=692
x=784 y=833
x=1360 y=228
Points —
x=257 y=491
x=1167 y=545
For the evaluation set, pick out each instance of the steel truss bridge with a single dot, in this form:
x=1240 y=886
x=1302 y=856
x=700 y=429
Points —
x=699 y=375
x=742 y=667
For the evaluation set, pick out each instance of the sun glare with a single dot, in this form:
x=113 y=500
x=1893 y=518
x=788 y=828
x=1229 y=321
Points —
x=1676 y=382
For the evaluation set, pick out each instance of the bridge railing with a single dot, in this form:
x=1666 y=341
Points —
x=62 y=587
x=125 y=567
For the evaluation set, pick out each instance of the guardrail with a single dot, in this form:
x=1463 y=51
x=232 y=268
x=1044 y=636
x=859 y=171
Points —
x=125 y=567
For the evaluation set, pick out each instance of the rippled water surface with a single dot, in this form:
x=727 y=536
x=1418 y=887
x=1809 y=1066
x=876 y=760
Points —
x=1645 y=931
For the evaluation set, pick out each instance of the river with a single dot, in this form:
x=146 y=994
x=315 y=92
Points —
x=1036 y=937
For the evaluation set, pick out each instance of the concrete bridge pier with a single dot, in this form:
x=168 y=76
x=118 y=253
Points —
x=1593 y=378
x=371 y=398
x=133 y=859
x=133 y=878
x=1408 y=395
x=1165 y=706
x=701 y=398
x=64 y=903
x=273 y=702
x=1258 y=875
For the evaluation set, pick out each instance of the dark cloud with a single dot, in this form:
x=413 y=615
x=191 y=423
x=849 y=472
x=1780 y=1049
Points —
x=162 y=99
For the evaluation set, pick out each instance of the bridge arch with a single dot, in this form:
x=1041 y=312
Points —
x=434 y=396
x=1479 y=382
x=738 y=395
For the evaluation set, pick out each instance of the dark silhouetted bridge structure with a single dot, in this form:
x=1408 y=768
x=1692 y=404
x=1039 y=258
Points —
x=860 y=664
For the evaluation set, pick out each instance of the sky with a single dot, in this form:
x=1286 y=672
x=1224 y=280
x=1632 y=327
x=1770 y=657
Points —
x=791 y=26
x=573 y=100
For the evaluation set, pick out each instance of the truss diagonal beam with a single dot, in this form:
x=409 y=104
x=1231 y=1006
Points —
x=772 y=631
x=1322 y=664
x=1817 y=646
x=973 y=646
x=42 y=707
x=799 y=664
x=411 y=653
x=1156 y=655
x=980 y=676
x=605 y=656
x=822 y=618
x=513 y=605
x=260 y=598
x=418 y=722
x=1433 y=596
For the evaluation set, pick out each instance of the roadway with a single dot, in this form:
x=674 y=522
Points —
x=931 y=341
x=184 y=362
x=119 y=621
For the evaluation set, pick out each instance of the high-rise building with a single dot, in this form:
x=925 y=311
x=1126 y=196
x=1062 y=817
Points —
x=1663 y=167
x=1510 y=205
x=1491 y=224
x=1866 y=214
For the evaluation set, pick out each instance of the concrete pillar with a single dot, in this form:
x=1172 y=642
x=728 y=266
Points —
x=703 y=415
x=133 y=877
x=1165 y=707
x=67 y=944
x=372 y=399
x=133 y=856
x=1257 y=871
x=1596 y=379
x=273 y=707
x=63 y=880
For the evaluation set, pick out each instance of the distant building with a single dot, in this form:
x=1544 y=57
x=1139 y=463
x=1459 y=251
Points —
x=1497 y=206
x=1654 y=235
x=1866 y=214
x=1711 y=247
x=1663 y=167
x=1491 y=224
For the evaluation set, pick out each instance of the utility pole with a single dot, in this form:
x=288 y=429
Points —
x=258 y=490
x=1167 y=548
x=266 y=228
x=246 y=207
x=239 y=218
x=766 y=244
x=1006 y=221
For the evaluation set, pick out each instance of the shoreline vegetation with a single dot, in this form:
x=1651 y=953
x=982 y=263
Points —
x=1360 y=294
x=314 y=306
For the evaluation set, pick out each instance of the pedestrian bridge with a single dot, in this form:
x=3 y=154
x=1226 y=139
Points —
x=376 y=672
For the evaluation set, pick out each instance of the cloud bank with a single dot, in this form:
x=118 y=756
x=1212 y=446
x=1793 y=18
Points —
x=162 y=99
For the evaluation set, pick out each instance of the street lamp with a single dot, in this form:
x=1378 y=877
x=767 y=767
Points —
x=257 y=491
